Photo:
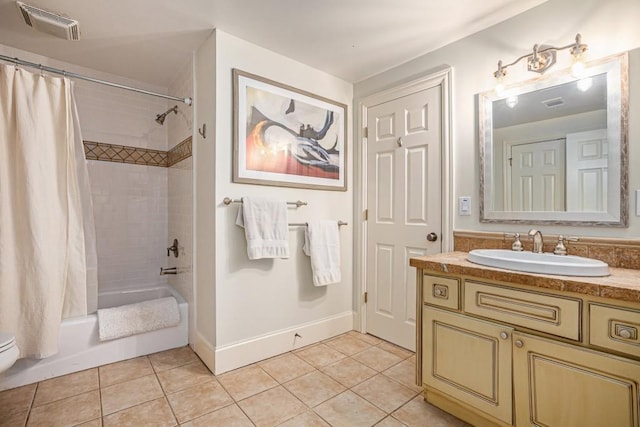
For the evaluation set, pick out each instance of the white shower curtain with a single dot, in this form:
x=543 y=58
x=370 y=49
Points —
x=43 y=212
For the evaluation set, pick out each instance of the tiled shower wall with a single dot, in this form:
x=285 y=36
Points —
x=130 y=201
x=180 y=194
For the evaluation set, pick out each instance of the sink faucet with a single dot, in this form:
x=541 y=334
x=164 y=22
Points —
x=537 y=240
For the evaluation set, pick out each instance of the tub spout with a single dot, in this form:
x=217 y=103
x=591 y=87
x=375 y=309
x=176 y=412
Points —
x=171 y=270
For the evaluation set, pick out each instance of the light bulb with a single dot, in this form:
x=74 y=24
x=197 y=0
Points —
x=585 y=84
x=499 y=89
x=578 y=69
x=512 y=101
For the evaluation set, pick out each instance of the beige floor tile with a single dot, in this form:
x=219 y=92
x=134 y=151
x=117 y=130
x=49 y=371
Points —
x=349 y=409
x=184 y=377
x=155 y=413
x=389 y=422
x=124 y=395
x=93 y=423
x=314 y=388
x=198 y=400
x=16 y=399
x=286 y=367
x=404 y=373
x=124 y=371
x=229 y=416
x=349 y=372
x=377 y=358
x=247 y=381
x=369 y=339
x=66 y=386
x=383 y=392
x=418 y=413
x=307 y=419
x=347 y=344
x=272 y=407
x=320 y=355
x=15 y=419
x=67 y=412
x=394 y=349
x=172 y=358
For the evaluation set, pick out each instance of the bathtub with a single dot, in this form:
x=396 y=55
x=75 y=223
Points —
x=81 y=349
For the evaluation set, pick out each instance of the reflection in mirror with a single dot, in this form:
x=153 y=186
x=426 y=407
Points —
x=554 y=150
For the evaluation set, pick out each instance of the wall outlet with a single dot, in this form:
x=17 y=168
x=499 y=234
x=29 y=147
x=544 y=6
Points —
x=464 y=205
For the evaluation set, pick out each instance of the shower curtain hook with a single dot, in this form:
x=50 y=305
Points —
x=15 y=63
x=41 y=70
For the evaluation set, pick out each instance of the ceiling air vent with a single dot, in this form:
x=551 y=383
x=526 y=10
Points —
x=49 y=22
x=554 y=102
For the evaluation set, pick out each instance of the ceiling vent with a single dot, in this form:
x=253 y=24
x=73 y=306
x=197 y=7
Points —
x=49 y=22
x=555 y=102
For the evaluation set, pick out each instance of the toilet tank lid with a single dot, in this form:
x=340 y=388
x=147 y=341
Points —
x=6 y=340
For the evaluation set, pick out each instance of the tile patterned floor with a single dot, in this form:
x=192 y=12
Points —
x=349 y=380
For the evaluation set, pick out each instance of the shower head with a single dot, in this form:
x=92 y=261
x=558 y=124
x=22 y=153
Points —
x=160 y=117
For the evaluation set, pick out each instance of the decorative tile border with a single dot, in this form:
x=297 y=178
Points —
x=620 y=253
x=136 y=155
x=180 y=152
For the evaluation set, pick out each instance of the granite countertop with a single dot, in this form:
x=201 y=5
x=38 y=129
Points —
x=622 y=284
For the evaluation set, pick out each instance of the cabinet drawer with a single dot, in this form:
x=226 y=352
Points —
x=542 y=312
x=615 y=328
x=441 y=291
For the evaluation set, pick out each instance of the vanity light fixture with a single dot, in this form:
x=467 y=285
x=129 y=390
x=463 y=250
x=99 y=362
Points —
x=542 y=58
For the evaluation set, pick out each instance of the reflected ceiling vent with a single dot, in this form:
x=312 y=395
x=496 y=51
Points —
x=49 y=22
x=554 y=102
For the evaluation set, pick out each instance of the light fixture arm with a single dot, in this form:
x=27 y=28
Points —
x=540 y=60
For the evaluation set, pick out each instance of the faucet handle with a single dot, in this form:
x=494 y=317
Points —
x=560 y=248
x=517 y=244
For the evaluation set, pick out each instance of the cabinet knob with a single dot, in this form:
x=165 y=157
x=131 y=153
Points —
x=438 y=292
x=624 y=333
x=504 y=335
x=519 y=343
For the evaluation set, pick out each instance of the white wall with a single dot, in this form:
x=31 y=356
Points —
x=608 y=27
x=255 y=300
x=130 y=201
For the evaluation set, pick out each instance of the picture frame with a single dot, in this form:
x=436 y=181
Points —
x=287 y=137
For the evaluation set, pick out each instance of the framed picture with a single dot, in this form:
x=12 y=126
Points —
x=287 y=137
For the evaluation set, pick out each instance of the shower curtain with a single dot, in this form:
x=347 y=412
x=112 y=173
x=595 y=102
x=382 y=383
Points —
x=47 y=241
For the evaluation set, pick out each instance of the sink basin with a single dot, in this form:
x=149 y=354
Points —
x=545 y=263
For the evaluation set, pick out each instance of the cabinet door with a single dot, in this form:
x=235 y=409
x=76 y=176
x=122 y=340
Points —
x=562 y=385
x=469 y=360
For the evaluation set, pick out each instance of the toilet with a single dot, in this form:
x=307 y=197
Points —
x=8 y=351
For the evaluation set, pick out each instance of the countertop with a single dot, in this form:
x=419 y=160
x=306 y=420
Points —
x=622 y=284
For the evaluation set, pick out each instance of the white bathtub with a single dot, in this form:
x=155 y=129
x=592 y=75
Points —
x=81 y=349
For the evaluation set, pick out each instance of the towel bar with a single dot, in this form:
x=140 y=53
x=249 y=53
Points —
x=228 y=201
x=304 y=224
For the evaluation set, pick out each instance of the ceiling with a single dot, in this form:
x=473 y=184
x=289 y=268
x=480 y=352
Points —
x=151 y=40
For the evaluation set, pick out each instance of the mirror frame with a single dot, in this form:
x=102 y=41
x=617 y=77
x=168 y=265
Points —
x=617 y=214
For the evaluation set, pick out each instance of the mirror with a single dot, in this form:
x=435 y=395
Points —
x=554 y=150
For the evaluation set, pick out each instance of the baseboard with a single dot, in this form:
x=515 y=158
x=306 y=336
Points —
x=246 y=352
x=205 y=351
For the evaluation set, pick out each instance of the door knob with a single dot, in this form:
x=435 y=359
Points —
x=432 y=237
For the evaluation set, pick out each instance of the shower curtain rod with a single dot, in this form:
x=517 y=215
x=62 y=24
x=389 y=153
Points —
x=41 y=67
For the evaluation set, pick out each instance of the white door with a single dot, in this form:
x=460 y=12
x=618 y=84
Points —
x=537 y=176
x=404 y=207
x=587 y=163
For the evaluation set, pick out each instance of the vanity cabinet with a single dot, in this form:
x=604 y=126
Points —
x=496 y=353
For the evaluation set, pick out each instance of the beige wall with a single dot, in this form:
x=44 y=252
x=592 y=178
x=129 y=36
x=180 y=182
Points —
x=608 y=27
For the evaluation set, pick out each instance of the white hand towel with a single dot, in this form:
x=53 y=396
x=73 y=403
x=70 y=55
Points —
x=322 y=244
x=265 y=227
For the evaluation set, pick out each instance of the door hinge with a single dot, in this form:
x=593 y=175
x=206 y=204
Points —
x=510 y=161
x=366 y=214
x=365 y=132
x=366 y=294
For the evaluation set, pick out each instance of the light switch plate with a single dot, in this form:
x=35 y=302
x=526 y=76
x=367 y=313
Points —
x=464 y=205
